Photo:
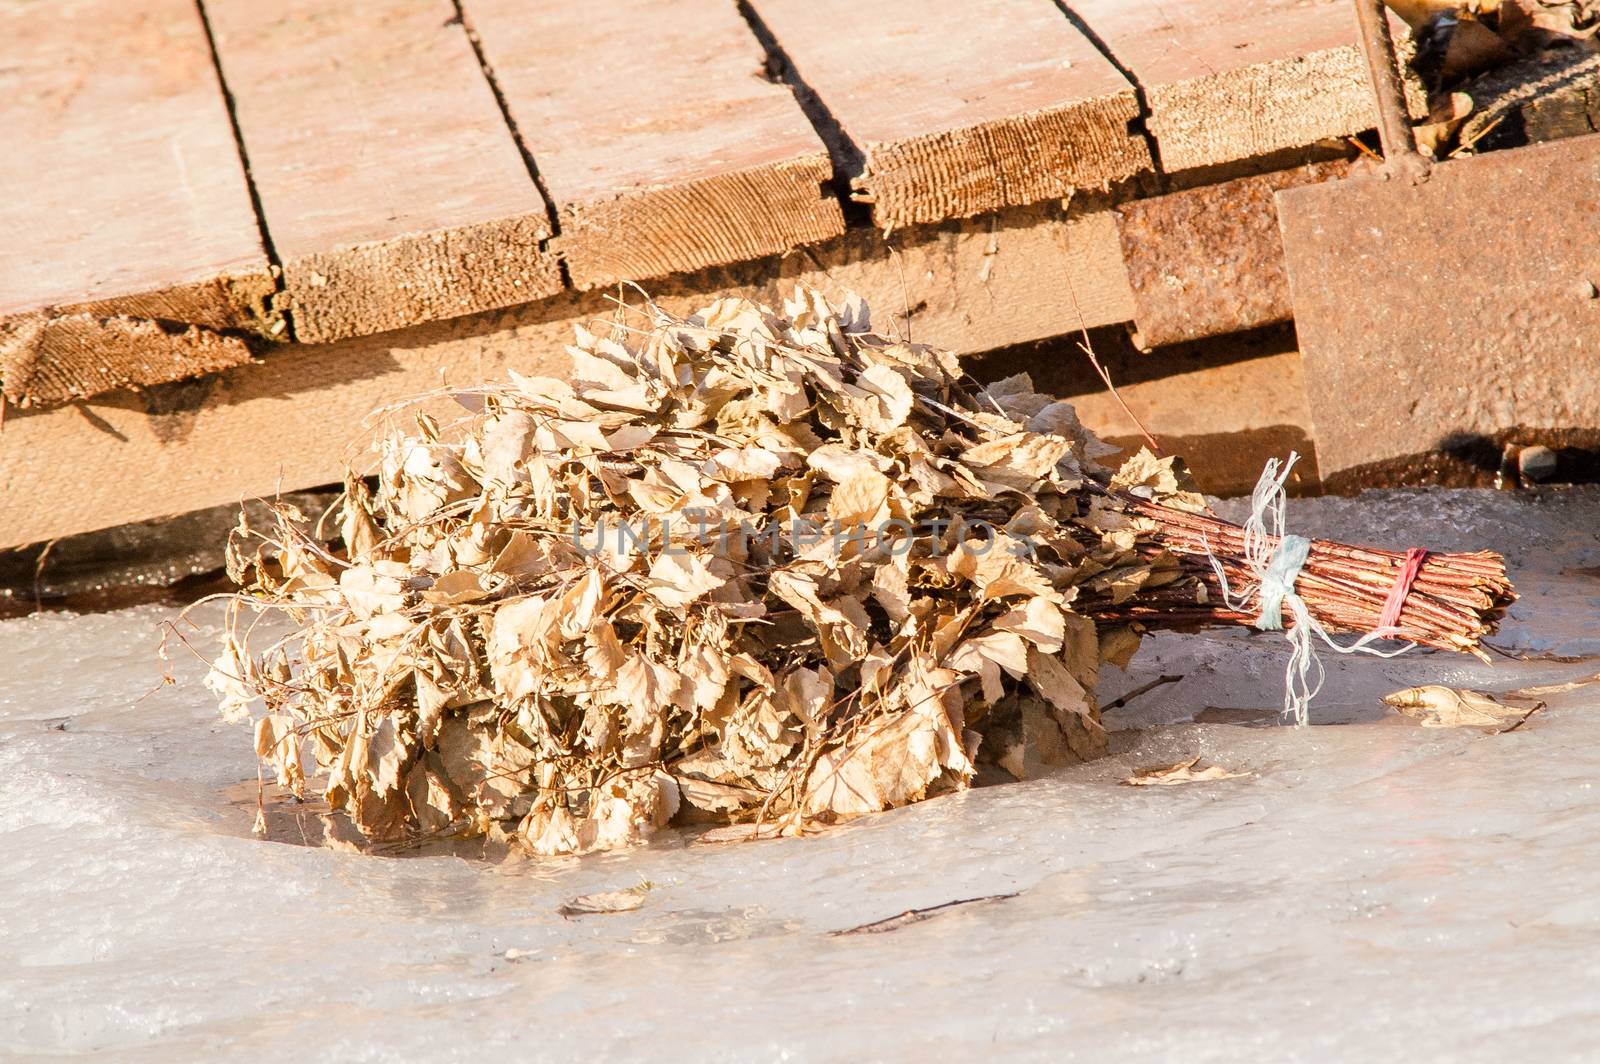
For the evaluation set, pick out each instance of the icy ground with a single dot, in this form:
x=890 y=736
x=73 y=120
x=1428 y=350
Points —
x=1373 y=891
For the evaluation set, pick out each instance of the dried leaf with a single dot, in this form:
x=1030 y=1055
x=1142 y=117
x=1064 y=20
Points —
x=1449 y=707
x=679 y=578
x=231 y=680
x=278 y=744
x=1180 y=772
x=611 y=901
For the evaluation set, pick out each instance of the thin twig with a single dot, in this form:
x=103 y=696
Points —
x=1479 y=135
x=916 y=916
x=1159 y=681
x=1364 y=150
x=1087 y=347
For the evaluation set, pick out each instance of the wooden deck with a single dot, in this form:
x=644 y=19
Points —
x=312 y=207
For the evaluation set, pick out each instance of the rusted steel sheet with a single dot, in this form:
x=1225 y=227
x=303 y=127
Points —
x=1209 y=260
x=1433 y=314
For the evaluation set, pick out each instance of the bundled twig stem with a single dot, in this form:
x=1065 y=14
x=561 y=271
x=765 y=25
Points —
x=1453 y=602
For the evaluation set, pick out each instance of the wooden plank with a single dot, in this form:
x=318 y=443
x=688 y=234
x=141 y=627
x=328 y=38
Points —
x=393 y=191
x=962 y=106
x=290 y=421
x=122 y=202
x=655 y=134
x=1229 y=82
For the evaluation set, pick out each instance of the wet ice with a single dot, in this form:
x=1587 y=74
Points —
x=1371 y=885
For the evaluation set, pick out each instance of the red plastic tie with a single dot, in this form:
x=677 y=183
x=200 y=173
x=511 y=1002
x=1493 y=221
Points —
x=1390 y=617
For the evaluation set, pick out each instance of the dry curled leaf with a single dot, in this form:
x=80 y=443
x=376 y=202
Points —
x=610 y=901
x=1449 y=707
x=1180 y=772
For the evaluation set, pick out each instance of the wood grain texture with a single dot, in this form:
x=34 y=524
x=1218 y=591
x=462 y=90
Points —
x=292 y=420
x=656 y=134
x=58 y=358
x=962 y=106
x=121 y=198
x=393 y=191
x=1228 y=82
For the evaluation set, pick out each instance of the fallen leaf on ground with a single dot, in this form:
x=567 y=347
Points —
x=1181 y=772
x=916 y=916
x=1437 y=706
x=610 y=901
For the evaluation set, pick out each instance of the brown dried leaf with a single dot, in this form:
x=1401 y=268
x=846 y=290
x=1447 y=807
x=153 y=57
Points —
x=1072 y=705
x=278 y=744
x=678 y=578
x=1166 y=480
x=1449 y=707
x=1180 y=772
x=611 y=901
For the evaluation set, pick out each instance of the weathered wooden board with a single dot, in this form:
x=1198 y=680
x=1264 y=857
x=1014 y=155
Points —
x=292 y=420
x=1230 y=82
x=122 y=202
x=962 y=106
x=393 y=191
x=656 y=134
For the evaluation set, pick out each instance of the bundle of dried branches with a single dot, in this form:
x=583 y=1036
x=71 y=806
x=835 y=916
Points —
x=1453 y=601
x=745 y=564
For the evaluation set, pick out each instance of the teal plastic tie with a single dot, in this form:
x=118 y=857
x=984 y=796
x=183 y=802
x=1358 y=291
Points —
x=1278 y=581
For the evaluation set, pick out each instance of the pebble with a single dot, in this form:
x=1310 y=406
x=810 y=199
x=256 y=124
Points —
x=1537 y=462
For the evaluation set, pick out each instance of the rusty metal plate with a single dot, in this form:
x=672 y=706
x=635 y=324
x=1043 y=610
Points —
x=1209 y=260
x=1433 y=314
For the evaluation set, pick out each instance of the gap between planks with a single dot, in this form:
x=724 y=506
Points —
x=1152 y=145
x=516 y=134
x=849 y=162
x=661 y=143
x=274 y=264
